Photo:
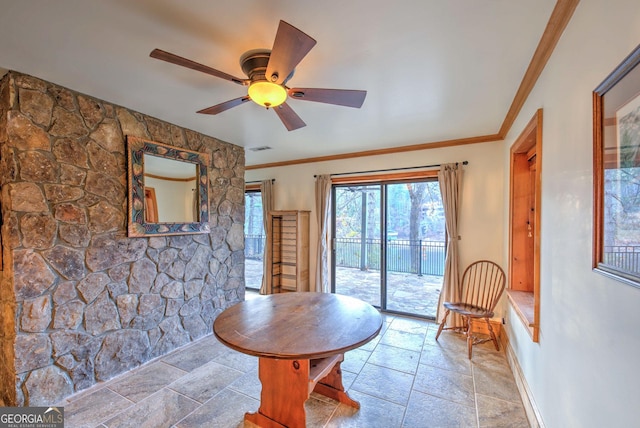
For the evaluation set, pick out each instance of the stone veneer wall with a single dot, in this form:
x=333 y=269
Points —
x=81 y=302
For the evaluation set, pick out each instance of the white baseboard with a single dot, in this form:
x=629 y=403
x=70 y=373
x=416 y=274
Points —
x=530 y=407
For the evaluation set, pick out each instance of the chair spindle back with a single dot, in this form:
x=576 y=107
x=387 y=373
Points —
x=482 y=284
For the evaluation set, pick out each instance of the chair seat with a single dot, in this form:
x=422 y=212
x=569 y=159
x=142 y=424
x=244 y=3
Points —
x=468 y=310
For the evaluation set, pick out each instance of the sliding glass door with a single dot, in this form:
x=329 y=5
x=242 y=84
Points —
x=389 y=245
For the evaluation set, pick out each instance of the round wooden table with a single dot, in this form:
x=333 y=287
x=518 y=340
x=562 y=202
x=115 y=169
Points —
x=300 y=339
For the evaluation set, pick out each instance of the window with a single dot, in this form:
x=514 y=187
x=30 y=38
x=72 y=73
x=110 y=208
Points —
x=616 y=104
x=254 y=237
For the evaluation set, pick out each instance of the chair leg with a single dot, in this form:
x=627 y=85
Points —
x=444 y=321
x=493 y=335
x=469 y=337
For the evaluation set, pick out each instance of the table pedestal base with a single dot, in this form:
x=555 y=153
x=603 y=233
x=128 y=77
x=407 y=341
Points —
x=287 y=384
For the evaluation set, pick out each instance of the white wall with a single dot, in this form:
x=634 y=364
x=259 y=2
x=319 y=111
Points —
x=482 y=194
x=584 y=371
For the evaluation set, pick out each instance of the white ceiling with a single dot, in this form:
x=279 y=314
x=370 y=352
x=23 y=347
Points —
x=434 y=69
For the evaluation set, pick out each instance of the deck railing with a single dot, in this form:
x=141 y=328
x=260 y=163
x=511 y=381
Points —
x=624 y=257
x=405 y=256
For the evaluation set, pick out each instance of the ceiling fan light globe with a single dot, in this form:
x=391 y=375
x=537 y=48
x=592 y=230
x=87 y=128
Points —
x=267 y=94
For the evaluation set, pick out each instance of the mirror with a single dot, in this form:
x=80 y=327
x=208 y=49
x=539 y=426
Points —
x=168 y=189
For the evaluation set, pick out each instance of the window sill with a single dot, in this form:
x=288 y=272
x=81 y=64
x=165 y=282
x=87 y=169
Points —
x=523 y=303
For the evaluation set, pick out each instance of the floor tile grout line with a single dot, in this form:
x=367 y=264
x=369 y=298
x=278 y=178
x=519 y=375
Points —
x=118 y=394
x=475 y=395
x=190 y=413
x=442 y=397
x=383 y=399
x=131 y=404
x=197 y=401
x=149 y=397
x=446 y=369
x=499 y=399
x=375 y=398
x=117 y=378
x=391 y=368
x=111 y=384
x=411 y=391
x=399 y=347
x=333 y=412
x=172 y=366
x=179 y=368
x=237 y=392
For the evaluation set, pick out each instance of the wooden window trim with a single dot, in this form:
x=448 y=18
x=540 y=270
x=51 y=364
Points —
x=602 y=160
x=527 y=303
x=377 y=178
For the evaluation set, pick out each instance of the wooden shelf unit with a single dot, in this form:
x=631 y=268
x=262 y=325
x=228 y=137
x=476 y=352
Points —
x=288 y=252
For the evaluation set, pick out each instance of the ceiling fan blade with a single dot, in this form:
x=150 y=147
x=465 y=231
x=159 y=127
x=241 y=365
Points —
x=341 y=97
x=289 y=117
x=289 y=47
x=219 y=108
x=178 y=60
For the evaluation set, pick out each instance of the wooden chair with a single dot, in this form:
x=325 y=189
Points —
x=482 y=285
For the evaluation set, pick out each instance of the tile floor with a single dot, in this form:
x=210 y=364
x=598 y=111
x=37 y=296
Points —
x=403 y=378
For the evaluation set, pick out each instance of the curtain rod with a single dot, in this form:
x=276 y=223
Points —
x=391 y=169
x=273 y=180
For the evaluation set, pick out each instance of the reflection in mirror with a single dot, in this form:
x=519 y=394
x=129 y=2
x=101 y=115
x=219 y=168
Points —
x=168 y=189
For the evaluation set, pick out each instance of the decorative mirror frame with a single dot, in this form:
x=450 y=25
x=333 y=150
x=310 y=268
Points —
x=138 y=227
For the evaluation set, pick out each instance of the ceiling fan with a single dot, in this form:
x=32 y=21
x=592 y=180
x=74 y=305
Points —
x=268 y=72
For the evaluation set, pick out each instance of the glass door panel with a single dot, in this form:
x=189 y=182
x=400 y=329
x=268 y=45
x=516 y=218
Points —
x=254 y=237
x=415 y=247
x=357 y=254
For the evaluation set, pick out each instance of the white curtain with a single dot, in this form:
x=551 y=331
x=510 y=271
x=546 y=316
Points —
x=450 y=180
x=323 y=209
x=266 y=191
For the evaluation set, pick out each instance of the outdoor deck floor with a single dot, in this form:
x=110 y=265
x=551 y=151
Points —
x=406 y=293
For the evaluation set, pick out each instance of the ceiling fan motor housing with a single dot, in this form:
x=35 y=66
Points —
x=254 y=65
